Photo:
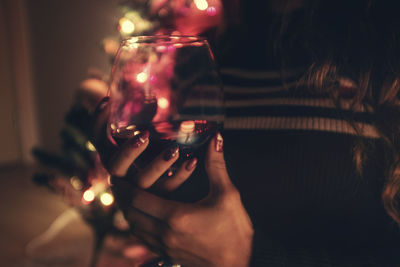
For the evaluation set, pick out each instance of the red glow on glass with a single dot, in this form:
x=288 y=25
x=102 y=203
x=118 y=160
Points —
x=153 y=79
x=211 y=11
x=171 y=48
x=161 y=49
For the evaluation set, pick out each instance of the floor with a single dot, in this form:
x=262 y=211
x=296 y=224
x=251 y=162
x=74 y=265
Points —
x=27 y=211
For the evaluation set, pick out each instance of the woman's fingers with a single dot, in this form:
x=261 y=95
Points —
x=169 y=184
x=128 y=152
x=155 y=169
x=150 y=175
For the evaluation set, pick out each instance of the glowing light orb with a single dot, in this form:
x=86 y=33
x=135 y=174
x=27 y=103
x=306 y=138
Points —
x=89 y=195
x=126 y=26
x=141 y=77
x=211 y=11
x=187 y=126
x=163 y=103
x=106 y=199
x=76 y=183
x=201 y=4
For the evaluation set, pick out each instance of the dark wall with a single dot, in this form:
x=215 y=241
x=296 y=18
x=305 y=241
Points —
x=66 y=41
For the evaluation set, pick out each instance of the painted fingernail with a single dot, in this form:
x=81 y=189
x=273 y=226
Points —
x=103 y=103
x=171 y=153
x=219 y=143
x=191 y=164
x=141 y=138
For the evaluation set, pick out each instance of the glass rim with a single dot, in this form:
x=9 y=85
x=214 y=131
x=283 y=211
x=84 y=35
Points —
x=156 y=40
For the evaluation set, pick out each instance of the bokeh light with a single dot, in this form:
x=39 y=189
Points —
x=76 y=183
x=201 y=4
x=89 y=195
x=141 y=77
x=126 y=26
x=163 y=103
x=90 y=146
x=106 y=199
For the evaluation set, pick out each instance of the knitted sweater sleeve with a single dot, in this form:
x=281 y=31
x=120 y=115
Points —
x=267 y=252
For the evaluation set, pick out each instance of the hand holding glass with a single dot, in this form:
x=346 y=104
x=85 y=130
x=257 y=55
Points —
x=169 y=86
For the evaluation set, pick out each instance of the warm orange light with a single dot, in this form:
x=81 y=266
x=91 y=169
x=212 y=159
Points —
x=163 y=103
x=201 y=4
x=126 y=26
x=106 y=199
x=76 y=183
x=141 y=77
x=187 y=126
x=110 y=46
x=89 y=195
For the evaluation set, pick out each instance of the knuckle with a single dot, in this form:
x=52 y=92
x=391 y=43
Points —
x=177 y=220
x=169 y=239
x=158 y=168
x=142 y=183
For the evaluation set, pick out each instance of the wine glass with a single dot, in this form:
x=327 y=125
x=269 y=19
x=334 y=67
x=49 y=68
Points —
x=169 y=86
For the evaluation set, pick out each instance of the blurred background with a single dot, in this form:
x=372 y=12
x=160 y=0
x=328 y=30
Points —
x=55 y=59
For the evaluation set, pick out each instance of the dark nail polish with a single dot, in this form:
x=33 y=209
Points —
x=103 y=103
x=170 y=153
x=141 y=138
x=219 y=143
x=191 y=164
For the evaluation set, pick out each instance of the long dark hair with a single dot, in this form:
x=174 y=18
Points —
x=359 y=39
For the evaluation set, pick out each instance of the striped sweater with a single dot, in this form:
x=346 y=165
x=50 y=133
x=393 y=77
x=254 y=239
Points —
x=290 y=153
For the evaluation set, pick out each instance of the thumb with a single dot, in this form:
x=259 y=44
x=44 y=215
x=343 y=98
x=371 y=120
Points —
x=216 y=167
